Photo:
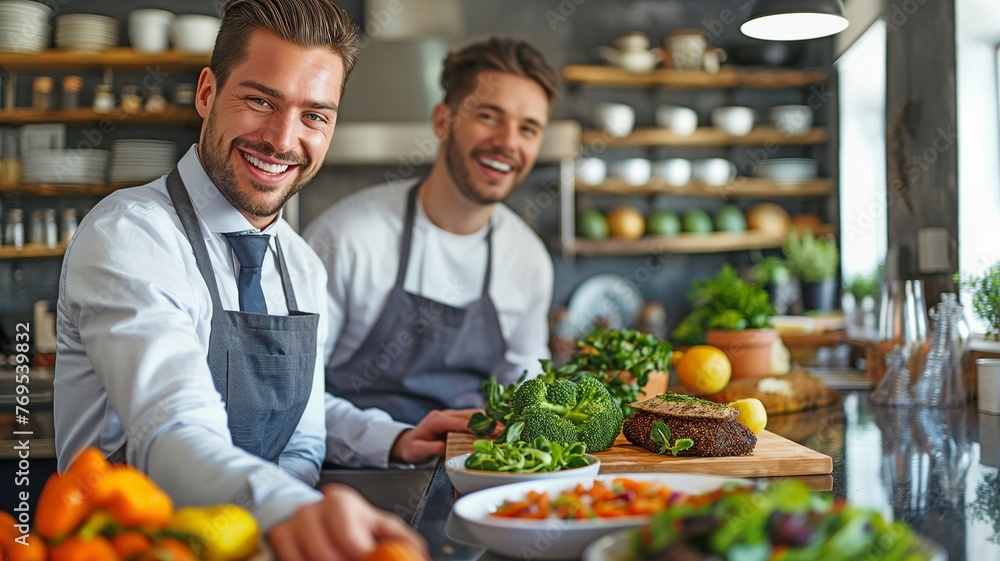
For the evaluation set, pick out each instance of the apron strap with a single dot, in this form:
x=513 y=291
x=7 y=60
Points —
x=404 y=251
x=286 y=282
x=185 y=212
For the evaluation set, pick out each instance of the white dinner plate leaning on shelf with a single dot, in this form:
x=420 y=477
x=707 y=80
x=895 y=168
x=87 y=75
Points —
x=615 y=547
x=609 y=296
x=553 y=538
x=468 y=481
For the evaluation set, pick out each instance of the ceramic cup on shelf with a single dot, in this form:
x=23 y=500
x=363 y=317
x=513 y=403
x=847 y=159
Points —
x=681 y=121
x=793 y=120
x=195 y=34
x=615 y=119
x=634 y=171
x=149 y=30
x=734 y=119
x=714 y=172
x=687 y=49
x=675 y=172
x=591 y=171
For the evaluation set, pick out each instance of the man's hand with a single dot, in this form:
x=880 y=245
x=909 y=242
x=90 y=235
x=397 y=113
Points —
x=427 y=440
x=341 y=527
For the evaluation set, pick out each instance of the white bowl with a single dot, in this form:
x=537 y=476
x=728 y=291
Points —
x=471 y=480
x=195 y=34
x=682 y=121
x=634 y=171
x=734 y=119
x=788 y=170
x=149 y=30
x=552 y=538
x=792 y=120
x=591 y=171
x=616 y=119
x=714 y=172
x=676 y=172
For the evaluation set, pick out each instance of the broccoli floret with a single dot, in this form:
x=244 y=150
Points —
x=562 y=392
x=539 y=421
x=564 y=411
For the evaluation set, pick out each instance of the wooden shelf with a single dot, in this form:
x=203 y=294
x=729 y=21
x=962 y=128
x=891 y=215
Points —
x=31 y=251
x=63 y=189
x=728 y=77
x=119 y=58
x=171 y=116
x=741 y=187
x=684 y=243
x=704 y=137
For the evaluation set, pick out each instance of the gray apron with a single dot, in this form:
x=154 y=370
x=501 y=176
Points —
x=423 y=355
x=262 y=365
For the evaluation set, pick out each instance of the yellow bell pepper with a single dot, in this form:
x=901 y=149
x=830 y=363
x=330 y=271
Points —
x=226 y=532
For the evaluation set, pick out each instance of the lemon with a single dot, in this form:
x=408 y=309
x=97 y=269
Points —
x=703 y=369
x=752 y=414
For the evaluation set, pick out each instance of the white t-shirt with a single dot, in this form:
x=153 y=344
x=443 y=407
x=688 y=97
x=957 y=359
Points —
x=359 y=241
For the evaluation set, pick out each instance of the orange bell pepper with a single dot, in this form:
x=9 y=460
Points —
x=133 y=499
x=79 y=549
x=130 y=542
x=67 y=498
x=15 y=550
x=396 y=550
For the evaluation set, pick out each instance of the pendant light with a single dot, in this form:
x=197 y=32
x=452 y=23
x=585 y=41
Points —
x=794 y=20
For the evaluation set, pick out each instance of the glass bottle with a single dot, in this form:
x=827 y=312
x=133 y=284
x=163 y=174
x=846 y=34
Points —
x=894 y=387
x=71 y=92
x=36 y=228
x=156 y=103
x=10 y=159
x=41 y=93
x=104 y=100
x=50 y=231
x=69 y=224
x=14 y=228
x=131 y=100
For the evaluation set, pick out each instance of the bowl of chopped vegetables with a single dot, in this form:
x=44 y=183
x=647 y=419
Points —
x=784 y=520
x=557 y=519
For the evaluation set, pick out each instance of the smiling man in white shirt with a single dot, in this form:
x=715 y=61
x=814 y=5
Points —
x=190 y=315
x=435 y=285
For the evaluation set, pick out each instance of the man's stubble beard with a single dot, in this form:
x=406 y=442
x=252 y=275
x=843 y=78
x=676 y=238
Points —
x=461 y=176
x=215 y=160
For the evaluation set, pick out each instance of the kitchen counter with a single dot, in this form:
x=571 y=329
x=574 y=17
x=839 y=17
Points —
x=936 y=469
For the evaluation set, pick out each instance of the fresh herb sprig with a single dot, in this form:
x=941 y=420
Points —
x=660 y=434
x=518 y=456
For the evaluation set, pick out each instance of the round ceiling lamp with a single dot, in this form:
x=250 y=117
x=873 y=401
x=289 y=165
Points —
x=794 y=20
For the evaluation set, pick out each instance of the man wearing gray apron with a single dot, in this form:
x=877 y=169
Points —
x=189 y=317
x=435 y=285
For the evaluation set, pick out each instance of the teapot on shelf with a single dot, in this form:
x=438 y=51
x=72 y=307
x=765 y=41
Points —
x=688 y=49
x=632 y=53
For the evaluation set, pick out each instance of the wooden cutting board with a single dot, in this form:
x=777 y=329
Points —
x=774 y=456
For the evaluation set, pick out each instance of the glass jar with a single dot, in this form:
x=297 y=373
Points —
x=104 y=100
x=71 y=92
x=14 y=228
x=36 y=228
x=10 y=157
x=41 y=93
x=156 y=103
x=131 y=100
x=69 y=224
x=50 y=231
x=184 y=94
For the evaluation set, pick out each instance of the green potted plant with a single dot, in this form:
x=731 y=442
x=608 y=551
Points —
x=814 y=260
x=735 y=316
x=861 y=288
x=985 y=290
x=772 y=273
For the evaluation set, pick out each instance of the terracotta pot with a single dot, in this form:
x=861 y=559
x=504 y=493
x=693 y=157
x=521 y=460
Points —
x=749 y=350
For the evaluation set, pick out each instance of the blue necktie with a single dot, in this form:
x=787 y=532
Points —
x=250 y=250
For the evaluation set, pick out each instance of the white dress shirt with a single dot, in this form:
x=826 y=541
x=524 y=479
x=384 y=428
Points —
x=359 y=241
x=133 y=324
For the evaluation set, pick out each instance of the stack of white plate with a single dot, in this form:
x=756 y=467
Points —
x=24 y=26
x=139 y=161
x=86 y=32
x=787 y=170
x=65 y=166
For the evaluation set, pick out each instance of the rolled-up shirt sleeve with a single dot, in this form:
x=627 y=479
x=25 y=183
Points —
x=130 y=307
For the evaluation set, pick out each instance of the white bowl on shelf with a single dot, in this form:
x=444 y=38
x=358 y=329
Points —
x=734 y=119
x=634 y=171
x=793 y=120
x=615 y=119
x=149 y=30
x=682 y=121
x=675 y=172
x=591 y=171
x=195 y=34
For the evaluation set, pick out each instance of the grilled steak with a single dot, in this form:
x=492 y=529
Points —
x=712 y=426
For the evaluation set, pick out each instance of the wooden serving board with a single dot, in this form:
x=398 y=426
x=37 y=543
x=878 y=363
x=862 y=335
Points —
x=774 y=456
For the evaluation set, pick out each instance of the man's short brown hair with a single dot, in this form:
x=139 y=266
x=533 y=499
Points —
x=509 y=56
x=306 y=23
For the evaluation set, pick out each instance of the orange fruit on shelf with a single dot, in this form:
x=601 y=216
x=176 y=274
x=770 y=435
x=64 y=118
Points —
x=626 y=222
x=703 y=369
